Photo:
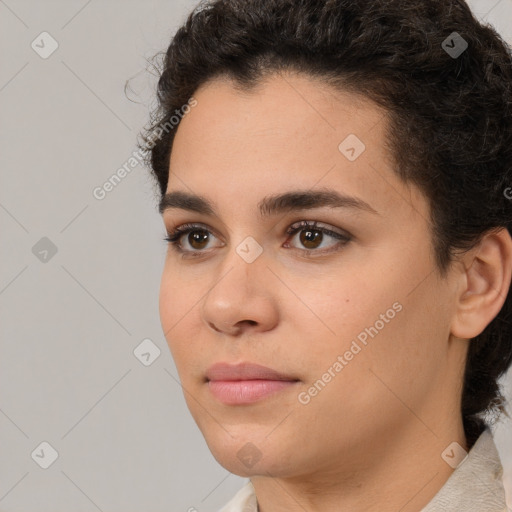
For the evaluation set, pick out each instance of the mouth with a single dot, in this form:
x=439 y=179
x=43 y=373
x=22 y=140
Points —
x=245 y=383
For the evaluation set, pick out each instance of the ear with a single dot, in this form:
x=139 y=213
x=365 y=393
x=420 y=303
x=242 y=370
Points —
x=484 y=284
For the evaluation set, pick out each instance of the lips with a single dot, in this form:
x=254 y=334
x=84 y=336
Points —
x=244 y=371
x=245 y=383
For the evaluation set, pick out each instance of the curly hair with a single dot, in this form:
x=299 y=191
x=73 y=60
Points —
x=450 y=116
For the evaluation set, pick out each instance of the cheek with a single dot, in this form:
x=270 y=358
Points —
x=335 y=311
x=173 y=307
x=167 y=302
x=179 y=303
x=373 y=325
x=178 y=295
x=379 y=379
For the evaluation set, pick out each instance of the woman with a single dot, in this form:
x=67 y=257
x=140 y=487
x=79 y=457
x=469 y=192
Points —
x=333 y=180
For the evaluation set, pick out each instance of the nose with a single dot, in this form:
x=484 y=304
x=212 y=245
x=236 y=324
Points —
x=242 y=297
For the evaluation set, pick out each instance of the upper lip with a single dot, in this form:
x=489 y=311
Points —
x=244 y=371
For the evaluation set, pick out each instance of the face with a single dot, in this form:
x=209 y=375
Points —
x=350 y=313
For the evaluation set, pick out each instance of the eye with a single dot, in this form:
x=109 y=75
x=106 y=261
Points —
x=197 y=238
x=311 y=237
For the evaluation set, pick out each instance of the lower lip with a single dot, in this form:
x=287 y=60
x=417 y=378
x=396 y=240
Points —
x=237 y=392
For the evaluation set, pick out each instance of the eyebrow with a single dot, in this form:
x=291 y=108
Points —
x=269 y=205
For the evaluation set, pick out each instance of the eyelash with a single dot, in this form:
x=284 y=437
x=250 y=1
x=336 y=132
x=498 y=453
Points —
x=174 y=237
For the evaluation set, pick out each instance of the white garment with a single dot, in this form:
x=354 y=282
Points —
x=475 y=486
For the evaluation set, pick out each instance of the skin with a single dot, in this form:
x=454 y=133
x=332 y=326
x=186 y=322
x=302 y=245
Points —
x=372 y=439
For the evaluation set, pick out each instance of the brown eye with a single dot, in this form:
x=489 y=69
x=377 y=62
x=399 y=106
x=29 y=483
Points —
x=197 y=238
x=189 y=238
x=312 y=236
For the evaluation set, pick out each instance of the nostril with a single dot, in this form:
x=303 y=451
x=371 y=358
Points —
x=213 y=326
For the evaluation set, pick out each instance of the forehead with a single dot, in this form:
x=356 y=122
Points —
x=284 y=105
x=290 y=132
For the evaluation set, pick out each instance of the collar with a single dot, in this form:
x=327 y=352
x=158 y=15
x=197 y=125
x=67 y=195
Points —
x=476 y=485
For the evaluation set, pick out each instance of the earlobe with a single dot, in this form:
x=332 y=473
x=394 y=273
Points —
x=485 y=284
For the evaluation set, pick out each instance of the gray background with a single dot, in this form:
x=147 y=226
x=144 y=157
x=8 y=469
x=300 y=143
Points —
x=69 y=324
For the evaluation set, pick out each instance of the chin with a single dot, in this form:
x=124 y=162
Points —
x=249 y=451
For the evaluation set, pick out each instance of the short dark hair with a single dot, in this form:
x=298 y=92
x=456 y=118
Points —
x=450 y=116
